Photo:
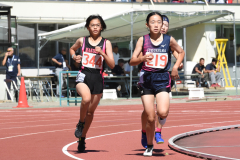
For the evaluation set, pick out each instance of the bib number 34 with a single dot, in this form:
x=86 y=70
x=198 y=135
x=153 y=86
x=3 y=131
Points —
x=91 y=60
x=159 y=60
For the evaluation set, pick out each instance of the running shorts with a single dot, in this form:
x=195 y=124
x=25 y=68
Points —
x=94 y=81
x=154 y=82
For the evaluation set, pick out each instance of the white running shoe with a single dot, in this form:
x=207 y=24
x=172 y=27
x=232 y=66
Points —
x=148 y=152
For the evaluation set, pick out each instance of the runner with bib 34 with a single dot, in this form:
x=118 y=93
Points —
x=95 y=50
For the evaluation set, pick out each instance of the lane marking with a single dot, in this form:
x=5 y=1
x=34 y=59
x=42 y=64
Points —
x=110 y=121
x=64 y=149
x=211 y=146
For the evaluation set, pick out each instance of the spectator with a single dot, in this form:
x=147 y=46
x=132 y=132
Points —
x=60 y=64
x=13 y=69
x=127 y=67
x=199 y=69
x=214 y=73
x=118 y=69
x=68 y=67
x=115 y=54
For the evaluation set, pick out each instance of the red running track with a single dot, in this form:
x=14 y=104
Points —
x=42 y=133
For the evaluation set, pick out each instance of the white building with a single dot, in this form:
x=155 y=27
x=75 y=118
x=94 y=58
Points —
x=35 y=17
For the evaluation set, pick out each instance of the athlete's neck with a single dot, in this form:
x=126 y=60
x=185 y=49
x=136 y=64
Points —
x=155 y=37
x=95 y=37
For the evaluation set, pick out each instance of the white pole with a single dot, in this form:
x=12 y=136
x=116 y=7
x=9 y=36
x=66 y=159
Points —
x=235 y=56
x=131 y=45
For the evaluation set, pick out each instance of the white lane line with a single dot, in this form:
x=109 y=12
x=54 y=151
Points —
x=211 y=146
x=52 y=120
x=64 y=149
x=110 y=126
x=109 y=121
x=28 y=134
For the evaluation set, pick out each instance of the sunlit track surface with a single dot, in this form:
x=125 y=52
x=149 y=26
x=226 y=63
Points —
x=42 y=133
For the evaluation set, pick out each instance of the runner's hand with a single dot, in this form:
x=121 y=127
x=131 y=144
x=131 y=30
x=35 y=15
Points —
x=99 y=50
x=174 y=74
x=59 y=63
x=147 y=58
x=78 y=58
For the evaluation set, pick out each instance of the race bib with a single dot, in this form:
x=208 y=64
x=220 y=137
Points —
x=91 y=60
x=10 y=68
x=64 y=65
x=159 y=60
x=80 y=77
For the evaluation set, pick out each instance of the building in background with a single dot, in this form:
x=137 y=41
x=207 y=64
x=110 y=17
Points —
x=34 y=17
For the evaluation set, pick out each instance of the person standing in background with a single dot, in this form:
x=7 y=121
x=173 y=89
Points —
x=115 y=54
x=60 y=64
x=13 y=68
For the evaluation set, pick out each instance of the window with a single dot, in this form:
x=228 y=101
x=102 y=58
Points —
x=49 y=50
x=26 y=42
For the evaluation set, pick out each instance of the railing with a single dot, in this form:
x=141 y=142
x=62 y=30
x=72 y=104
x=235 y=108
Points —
x=148 y=1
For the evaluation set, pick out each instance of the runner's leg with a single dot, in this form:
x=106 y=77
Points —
x=95 y=98
x=144 y=120
x=148 y=104
x=84 y=92
x=163 y=103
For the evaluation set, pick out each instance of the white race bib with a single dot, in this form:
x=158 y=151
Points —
x=159 y=60
x=80 y=77
x=92 y=60
x=64 y=65
x=10 y=68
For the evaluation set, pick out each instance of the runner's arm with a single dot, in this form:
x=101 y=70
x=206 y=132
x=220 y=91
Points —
x=136 y=57
x=73 y=49
x=109 y=55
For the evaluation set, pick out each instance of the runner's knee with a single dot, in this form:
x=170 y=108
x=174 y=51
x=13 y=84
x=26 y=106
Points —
x=163 y=114
x=90 y=113
x=151 y=119
x=86 y=99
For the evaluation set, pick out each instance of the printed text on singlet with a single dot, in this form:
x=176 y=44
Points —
x=159 y=60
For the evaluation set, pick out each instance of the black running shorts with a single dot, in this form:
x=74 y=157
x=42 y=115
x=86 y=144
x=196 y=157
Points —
x=94 y=81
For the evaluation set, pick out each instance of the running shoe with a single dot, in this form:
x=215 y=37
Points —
x=79 y=129
x=158 y=138
x=81 y=146
x=144 y=140
x=148 y=151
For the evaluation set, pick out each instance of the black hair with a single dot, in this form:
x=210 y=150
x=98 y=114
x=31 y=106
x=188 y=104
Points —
x=214 y=60
x=91 y=17
x=152 y=14
x=201 y=59
x=120 y=61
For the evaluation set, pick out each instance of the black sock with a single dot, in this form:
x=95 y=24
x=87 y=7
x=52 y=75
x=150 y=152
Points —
x=144 y=133
x=82 y=139
x=149 y=146
x=159 y=132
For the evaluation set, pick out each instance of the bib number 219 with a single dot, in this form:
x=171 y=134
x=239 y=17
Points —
x=159 y=60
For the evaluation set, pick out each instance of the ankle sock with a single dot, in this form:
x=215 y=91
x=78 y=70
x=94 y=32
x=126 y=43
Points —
x=158 y=130
x=82 y=139
x=149 y=146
